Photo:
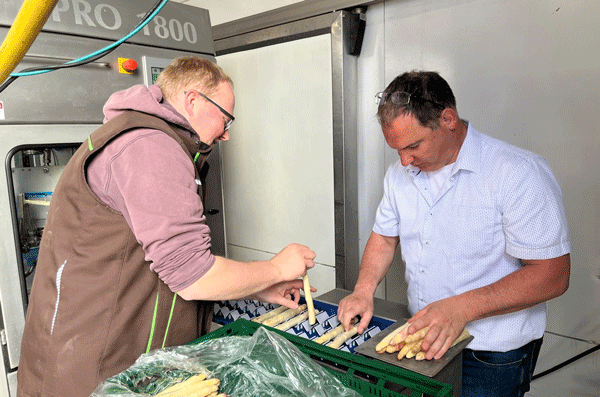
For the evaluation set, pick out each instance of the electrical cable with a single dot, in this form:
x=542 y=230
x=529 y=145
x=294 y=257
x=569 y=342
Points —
x=90 y=57
x=569 y=361
x=95 y=55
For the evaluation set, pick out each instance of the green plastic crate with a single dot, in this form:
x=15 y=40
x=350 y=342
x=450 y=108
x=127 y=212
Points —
x=367 y=376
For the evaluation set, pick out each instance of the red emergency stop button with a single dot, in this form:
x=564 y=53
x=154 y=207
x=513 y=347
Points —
x=130 y=65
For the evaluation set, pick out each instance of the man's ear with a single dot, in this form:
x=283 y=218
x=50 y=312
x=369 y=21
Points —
x=188 y=103
x=449 y=119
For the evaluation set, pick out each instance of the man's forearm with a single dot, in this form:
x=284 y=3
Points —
x=377 y=259
x=536 y=282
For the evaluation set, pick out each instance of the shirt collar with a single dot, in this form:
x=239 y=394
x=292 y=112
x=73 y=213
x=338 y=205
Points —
x=469 y=156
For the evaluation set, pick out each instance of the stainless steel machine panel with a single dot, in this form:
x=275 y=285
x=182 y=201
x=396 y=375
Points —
x=73 y=95
x=177 y=26
x=13 y=293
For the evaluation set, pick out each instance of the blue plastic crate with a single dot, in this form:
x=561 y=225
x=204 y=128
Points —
x=227 y=312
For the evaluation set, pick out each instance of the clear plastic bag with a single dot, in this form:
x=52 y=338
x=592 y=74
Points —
x=265 y=364
x=151 y=374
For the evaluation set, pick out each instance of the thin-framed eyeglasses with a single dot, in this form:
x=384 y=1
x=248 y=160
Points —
x=225 y=112
x=398 y=98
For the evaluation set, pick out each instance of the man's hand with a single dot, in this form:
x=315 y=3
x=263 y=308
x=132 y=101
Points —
x=286 y=293
x=445 y=320
x=357 y=303
x=293 y=261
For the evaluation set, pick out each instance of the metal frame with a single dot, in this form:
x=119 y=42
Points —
x=285 y=15
x=12 y=301
x=345 y=151
x=256 y=32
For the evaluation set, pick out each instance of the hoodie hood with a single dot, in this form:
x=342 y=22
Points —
x=146 y=100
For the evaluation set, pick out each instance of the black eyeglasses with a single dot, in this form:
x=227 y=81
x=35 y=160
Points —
x=399 y=98
x=225 y=112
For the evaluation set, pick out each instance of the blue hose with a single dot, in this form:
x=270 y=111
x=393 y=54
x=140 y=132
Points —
x=113 y=45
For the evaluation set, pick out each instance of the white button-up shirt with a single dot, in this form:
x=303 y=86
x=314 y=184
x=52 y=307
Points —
x=500 y=204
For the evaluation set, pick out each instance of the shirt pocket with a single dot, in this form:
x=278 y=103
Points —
x=471 y=233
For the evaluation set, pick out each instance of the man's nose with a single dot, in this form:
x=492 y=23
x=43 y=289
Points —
x=225 y=136
x=405 y=159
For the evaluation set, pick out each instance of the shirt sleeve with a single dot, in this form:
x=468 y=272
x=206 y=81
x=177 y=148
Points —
x=146 y=175
x=533 y=215
x=387 y=219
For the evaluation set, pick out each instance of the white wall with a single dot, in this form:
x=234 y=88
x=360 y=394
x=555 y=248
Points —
x=525 y=71
x=226 y=11
x=278 y=164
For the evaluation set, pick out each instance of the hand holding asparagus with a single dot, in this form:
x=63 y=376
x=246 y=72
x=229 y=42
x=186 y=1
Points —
x=409 y=346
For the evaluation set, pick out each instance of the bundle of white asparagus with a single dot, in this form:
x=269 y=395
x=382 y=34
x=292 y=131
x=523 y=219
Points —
x=283 y=316
x=409 y=346
x=197 y=386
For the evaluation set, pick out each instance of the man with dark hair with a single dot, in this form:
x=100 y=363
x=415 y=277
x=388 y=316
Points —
x=125 y=264
x=482 y=230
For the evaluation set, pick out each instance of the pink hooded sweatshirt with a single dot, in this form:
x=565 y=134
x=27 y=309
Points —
x=145 y=175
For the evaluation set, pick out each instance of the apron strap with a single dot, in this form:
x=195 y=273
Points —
x=169 y=322
x=153 y=327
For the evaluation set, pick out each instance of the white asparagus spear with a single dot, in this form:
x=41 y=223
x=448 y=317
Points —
x=343 y=337
x=393 y=348
x=286 y=315
x=192 y=382
x=270 y=314
x=414 y=350
x=463 y=335
x=400 y=336
x=420 y=334
x=292 y=322
x=407 y=347
x=326 y=337
x=386 y=341
x=196 y=385
x=309 y=301
x=206 y=391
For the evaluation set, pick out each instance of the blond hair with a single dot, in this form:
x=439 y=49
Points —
x=190 y=72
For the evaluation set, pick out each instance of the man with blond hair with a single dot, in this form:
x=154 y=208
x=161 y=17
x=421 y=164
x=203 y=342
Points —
x=125 y=264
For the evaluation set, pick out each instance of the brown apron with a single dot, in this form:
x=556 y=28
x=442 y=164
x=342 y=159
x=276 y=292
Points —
x=94 y=299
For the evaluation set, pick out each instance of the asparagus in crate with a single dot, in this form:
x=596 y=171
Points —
x=292 y=322
x=326 y=337
x=286 y=315
x=343 y=337
x=270 y=314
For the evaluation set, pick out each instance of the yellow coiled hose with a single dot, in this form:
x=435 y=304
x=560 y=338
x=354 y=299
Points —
x=27 y=25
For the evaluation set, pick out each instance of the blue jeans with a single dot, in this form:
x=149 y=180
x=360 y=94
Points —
x=494 y=374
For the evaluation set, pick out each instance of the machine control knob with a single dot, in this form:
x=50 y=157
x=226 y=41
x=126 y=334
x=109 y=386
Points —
x=130 y=65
